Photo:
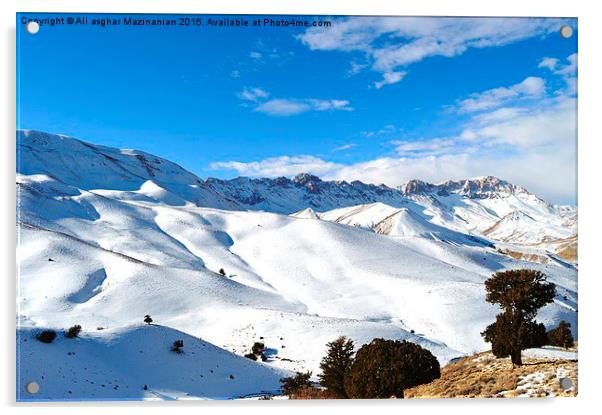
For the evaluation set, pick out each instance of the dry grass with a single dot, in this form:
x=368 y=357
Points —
x=312 y=393
x=523 y=256
x=484 y=376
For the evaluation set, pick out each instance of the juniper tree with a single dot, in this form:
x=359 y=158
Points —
x=73 y=331
x=292 y=384
x=561 y=336
x=520 y=294
x=384 y=368
x=335 y=365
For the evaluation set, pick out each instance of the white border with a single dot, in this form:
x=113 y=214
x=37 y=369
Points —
x=590 y=189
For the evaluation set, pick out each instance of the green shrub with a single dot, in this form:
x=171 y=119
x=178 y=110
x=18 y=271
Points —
x=292 y=384
x=384 y=368
x=73 y=331
x=46 y=336
x=258 y=348
x=561 y=336
x=335 y=365
x=177 y=346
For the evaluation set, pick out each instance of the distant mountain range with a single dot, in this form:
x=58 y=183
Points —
x=485 y=206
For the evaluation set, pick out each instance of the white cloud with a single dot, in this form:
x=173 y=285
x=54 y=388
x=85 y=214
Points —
x=255 y=55
x=531 y=87
x=553 y=64
x=252 y=94
x=286 y=107
x=282 y=107
x=391 y=43
x=344 y=147
x=500 y=114
x=329 y=104
x=277 y=166
x=549 y=63
x=386 y=130
x=429 y=147
x=568 y=71
x=356 y=68
x=537 y=127
x=390 y=78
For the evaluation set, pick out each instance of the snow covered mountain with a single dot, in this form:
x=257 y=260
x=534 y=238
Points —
x=107 y=236
x=284 y=195
x=484 y=206
x=494 y=208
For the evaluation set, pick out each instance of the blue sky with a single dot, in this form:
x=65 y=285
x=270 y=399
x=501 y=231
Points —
x=381 y=100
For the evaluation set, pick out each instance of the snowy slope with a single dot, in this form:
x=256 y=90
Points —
x=307 y=213
x=363 y=216
x=87 y=166
x=519 y=227
x=478 y=205
x=101 y=253
x=117 y=364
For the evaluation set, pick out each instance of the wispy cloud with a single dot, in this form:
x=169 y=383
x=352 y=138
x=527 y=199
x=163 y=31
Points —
x=390 y=78
x=277 y=166
x=356 y=68
x=418 y=38
x=285 y=107
x=252 y=94
x=531 y=87
x=567 y=70
x=345 y=147
x=386 y=130
x=429 y=147
x=282 y=107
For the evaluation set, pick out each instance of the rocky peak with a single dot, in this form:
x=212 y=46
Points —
x=416 y=186
x=477 y=188
x=303 y=179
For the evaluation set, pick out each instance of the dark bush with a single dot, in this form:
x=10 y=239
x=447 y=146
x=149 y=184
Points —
x=292 y=384
x=251 y=356
x=335 y=365
x=148 y=319
x=46 y=336
x=222 y=272
x=505 y=333
x=561 y=336
x=258 y=348
x=73 y=331
x=177 y=346
x=384 y=368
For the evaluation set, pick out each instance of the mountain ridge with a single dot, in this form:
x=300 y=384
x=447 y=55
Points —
x=470 y=205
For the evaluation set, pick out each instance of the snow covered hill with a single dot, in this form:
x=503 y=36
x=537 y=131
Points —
x=118 y=364
x=107 y=236
x=87 y=166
